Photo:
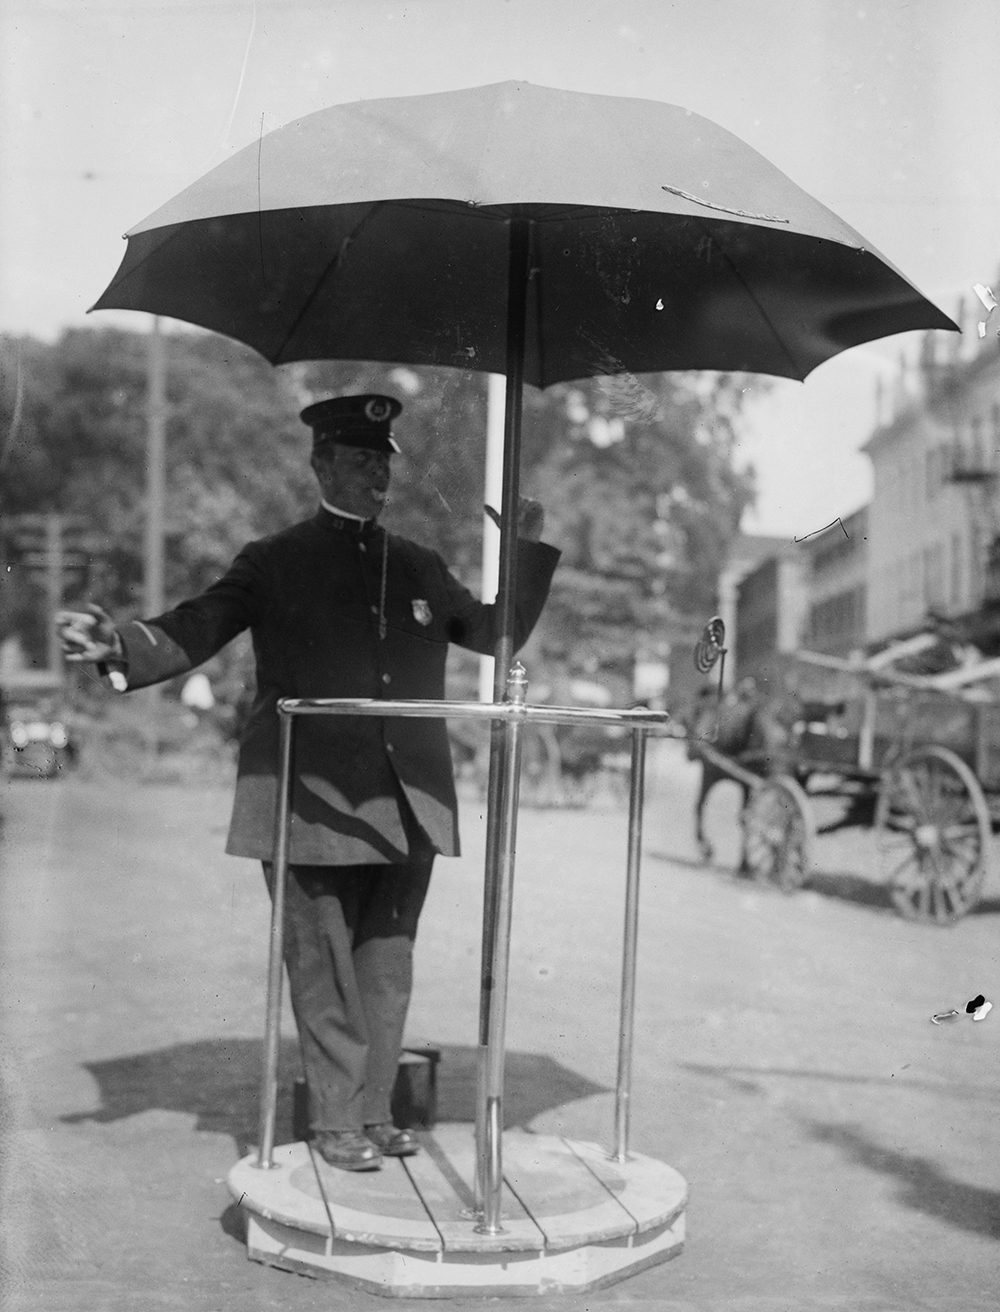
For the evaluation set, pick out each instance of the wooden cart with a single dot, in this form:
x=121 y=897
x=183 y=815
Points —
x=916 y=758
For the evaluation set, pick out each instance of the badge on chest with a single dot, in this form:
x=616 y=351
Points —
x=421 y=611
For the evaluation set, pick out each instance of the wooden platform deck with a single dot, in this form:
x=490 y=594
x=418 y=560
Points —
x=572 y=1218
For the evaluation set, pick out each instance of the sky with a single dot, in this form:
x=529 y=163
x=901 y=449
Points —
x=885 y=110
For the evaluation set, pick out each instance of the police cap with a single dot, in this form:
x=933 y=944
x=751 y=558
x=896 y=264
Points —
x=360 y=421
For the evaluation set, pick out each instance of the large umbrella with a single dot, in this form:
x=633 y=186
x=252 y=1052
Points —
x=543 y=234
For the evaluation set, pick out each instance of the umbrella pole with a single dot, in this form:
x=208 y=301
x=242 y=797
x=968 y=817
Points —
x=504 y=761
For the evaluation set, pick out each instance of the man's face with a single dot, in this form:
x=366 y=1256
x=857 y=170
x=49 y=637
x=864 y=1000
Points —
x=354 y=479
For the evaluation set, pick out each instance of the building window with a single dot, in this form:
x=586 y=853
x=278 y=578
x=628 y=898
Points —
x=977 y=455
x=916 y=589
x=976 y=564
x=933 y=570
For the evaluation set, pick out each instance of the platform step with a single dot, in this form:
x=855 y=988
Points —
x=571 y=1217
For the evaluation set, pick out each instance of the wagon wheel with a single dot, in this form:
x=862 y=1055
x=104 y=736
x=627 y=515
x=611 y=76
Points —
x=778 y=833
x=933 y=830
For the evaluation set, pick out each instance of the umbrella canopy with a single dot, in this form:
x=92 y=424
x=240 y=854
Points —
x=379 y=230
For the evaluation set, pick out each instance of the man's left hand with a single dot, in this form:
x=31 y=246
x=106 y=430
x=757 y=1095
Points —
x=530 y=518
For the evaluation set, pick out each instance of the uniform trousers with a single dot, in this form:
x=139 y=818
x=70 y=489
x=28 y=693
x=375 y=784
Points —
x=348 y=949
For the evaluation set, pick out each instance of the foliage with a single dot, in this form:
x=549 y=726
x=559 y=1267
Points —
x=644 y=500
x=636 y=475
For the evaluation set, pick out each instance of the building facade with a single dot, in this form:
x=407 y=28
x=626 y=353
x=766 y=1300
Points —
x=933 y=514
x=928 y=542
x=837 y=585
x=772 y=613
x=747 y=553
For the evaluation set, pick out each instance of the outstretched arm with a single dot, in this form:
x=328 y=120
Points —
x=138 y=653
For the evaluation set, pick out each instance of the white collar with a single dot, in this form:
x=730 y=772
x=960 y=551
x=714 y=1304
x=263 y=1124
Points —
x=344 y=514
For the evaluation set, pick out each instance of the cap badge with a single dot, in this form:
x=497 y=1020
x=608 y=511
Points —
x=421 y=611
x=378 y=410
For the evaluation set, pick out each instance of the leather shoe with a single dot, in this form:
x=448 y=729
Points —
x=392 y=1142
x=349 y=1149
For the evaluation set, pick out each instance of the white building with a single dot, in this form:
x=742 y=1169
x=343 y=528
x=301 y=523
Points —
x=837 y=586
x=933 y=513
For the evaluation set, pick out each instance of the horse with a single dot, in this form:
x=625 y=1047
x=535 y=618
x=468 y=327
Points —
x=744 y=726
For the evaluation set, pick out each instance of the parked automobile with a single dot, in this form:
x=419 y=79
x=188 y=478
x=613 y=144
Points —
x=37 y=743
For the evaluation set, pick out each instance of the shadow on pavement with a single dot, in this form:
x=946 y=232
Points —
x=845 y=886
x=748 y=1079
x=922 y=1186
x=839 y=885
x=217 y=1080
x=688 y=862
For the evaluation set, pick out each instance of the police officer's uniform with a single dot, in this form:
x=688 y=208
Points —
x=341 y=608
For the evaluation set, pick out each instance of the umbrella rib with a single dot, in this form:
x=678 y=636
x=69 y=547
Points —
x=749 y=291
x=330 y=269
x=627 y=146
x=535 y=275
x=138 y=264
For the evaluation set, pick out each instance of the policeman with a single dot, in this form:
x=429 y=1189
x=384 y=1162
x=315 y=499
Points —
x=338 y=607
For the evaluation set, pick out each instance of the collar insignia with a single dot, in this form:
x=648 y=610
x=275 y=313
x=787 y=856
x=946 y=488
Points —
x=421 y=611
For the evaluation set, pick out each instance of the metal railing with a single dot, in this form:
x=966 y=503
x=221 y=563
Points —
x=509 y=717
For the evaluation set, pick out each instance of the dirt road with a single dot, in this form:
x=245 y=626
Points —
x=843 y=1152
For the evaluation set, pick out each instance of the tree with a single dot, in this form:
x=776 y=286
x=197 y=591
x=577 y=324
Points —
x=644 y=499
x=637 y=474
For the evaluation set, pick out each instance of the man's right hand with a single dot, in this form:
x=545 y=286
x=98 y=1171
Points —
x=88 y=635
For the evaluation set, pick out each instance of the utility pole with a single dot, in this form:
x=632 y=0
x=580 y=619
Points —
x=156 y=481
x=53 y=551
x=54 y=584
x=156 y=475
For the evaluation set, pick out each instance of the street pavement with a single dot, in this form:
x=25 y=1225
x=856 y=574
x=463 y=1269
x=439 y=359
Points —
x=842 y=1151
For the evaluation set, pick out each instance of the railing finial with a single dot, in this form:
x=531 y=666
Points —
x=517 y=684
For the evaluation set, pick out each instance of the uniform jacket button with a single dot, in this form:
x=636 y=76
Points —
x=387 y=678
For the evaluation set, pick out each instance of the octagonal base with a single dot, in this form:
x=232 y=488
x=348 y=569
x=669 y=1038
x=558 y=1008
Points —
x=572 y=1218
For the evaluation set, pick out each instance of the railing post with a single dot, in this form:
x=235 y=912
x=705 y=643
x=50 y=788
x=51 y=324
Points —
x=489 y=1115
x=510 y=718
x=275 y=963
x=623 y=1087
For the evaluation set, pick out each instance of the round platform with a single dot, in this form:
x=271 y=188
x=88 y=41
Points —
x=572 y=1218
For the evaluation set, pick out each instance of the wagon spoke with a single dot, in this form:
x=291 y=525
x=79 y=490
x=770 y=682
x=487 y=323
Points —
x=963 y=845
x=939 y=903
x=923 y=896
x=930 y=791
x=778 y=833
x=915 y=783
x=932 y=804
x=902 y=823
x=909 y=860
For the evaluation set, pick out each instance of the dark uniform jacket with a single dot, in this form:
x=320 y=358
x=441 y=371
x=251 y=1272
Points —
x=311 y=596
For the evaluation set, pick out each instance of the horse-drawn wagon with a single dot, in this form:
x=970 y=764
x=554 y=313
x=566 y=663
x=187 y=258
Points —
x=915 y=757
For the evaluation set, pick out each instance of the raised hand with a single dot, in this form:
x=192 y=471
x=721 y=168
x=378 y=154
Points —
x=88 y=635
x=530 y=518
